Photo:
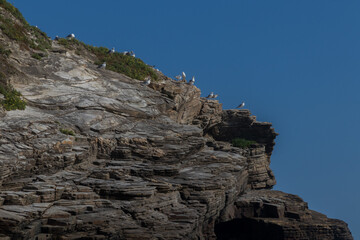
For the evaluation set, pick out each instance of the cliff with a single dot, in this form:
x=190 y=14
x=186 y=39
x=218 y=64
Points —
x=96 y=155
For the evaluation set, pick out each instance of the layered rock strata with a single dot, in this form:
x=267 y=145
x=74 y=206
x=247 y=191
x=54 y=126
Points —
x=141 y=162
x=265 y=214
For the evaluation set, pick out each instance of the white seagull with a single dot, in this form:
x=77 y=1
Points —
x=111 y=51
x=102 y=66
x=178 y=77
x=70 y=36
x=211 y=95
x=241 y=105
x=192 y=81
x=183 y=75
x=56 y=38
x=132 y=53
x=146 y=82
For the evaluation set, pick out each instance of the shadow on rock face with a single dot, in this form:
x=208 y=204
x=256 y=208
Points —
x=246 y=229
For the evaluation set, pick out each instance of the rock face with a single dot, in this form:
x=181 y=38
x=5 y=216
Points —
x=265 y=214
x=96 y=155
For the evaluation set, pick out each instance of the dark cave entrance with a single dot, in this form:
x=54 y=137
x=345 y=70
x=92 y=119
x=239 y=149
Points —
x=248 y=229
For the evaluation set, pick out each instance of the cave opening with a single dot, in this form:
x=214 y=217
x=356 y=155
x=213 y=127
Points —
x=248 y=229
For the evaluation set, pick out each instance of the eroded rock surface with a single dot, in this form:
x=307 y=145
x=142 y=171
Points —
x=95 y=155
x=264 y=214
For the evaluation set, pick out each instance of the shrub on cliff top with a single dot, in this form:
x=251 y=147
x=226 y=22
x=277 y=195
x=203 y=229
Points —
x=242 y=143
x=19 y=32
x=117 y=62
x=13 y=10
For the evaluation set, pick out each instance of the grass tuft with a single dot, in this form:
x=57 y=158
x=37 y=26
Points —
x=67 y=131
x=38 y=56
x=242 y=143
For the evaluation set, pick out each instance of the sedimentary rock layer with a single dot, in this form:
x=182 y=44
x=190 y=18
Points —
x=96 y=155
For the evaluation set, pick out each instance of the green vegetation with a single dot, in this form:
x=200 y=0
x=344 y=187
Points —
x=67 y=43
x=67 y=131
x=13 y=10
x=12 y=99
x=38 y=56
x=117 y=62
x=6 y=69
x=30 y=37
x=42 y=41
x=20 y=32
x=14 y=31
x=4 y=52
x=242 y=143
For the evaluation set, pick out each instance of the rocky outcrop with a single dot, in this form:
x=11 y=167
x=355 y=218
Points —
x=130 y=158
x=265 y=214
x=96 y=155
x=186 y=103
x=240 y=124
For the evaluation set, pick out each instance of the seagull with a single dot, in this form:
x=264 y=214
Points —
x=125 y=53
x=183 y=75
x=146 y=82
x=111 y=51
x=178 y=77
x=215 y=96
x=56 y=38
x=70 y=36
x=211 y=95
x=241 y=105
x=132 y=53
x=192 y=81
x=102 y=66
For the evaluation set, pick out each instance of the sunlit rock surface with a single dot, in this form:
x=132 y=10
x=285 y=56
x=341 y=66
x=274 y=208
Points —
x=141 y=162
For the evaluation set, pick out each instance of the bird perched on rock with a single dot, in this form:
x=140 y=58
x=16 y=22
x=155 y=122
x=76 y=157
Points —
x=178 y=77
x=183 y=76
x=56 y=38
x=131 y=53
x=211 y=95
x=146 y=82
x=241 y=105
x=102 y=66
x=70 y=36
x=192 y=81
x=111 y=51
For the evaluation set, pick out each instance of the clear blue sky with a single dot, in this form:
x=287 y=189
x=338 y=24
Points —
x=295 y=64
